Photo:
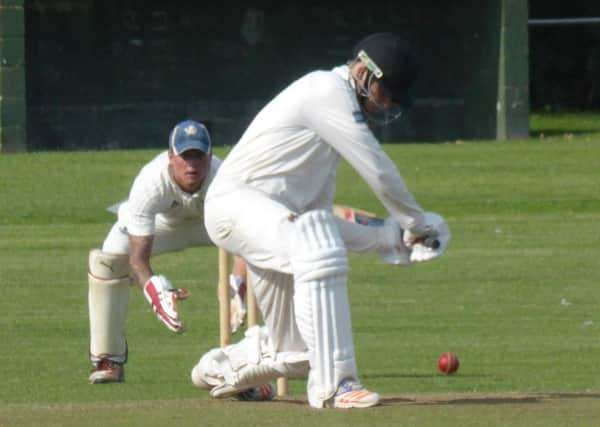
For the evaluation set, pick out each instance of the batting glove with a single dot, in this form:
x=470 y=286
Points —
x=431 y=241
x=422 y=236
x=393 y=250
x=161 y=295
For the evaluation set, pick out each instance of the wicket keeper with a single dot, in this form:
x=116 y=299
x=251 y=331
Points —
x=164 y=213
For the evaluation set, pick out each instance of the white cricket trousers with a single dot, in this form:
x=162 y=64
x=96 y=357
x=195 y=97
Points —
x=249 y=224
x=263 y=231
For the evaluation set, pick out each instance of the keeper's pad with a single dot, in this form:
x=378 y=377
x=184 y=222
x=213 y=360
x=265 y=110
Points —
x=246 y=364
x=108 y=298
x=320 y=267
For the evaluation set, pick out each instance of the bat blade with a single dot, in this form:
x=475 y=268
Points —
x=363 y=217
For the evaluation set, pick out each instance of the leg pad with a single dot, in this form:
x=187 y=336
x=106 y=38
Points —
x=108 y=298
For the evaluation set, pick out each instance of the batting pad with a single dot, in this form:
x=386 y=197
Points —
x=321 y=304
x=108 y=298
x=246 y=364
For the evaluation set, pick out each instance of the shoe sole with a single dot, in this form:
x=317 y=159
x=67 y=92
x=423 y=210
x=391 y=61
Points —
x=356 y=402
x=349 y=405
x=105 y=379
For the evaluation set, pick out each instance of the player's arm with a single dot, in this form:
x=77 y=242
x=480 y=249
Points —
x=157 y=289
x=342 y=125
x=145 y=202
x=140 y=249
x=356 y=227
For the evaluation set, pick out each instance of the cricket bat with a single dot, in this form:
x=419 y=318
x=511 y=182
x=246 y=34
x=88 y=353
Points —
x=358 y=216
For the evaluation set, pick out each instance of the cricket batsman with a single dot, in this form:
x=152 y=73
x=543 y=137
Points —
x=284 y=167
x=164 y=213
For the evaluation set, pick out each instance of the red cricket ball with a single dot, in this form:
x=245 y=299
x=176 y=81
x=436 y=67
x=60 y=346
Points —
x=448 y=363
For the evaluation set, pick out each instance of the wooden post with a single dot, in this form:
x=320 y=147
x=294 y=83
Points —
x=224 y=300
x=512 y=106
x=13 y=99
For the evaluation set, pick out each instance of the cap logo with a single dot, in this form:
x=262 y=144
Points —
x=371 y=65
x=191 y=130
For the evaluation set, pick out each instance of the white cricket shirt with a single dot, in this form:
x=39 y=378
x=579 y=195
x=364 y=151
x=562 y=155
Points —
x=291 y=150
x=155 y=196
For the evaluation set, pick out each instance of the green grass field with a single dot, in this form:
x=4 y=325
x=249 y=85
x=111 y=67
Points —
x=517 y=296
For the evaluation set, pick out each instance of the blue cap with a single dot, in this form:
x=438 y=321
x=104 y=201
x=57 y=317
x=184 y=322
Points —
x=189 y=135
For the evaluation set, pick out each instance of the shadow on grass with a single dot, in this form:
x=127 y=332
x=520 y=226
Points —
x=484 y=398
x=548 y=133
x=429 y=375
x=462 y=399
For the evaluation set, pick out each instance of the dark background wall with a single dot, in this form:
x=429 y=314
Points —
x=564 y=59
x=108 y=74
x=119 y=74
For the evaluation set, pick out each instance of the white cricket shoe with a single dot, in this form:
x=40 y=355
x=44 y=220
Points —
x=351 y=394
x=107 y=371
